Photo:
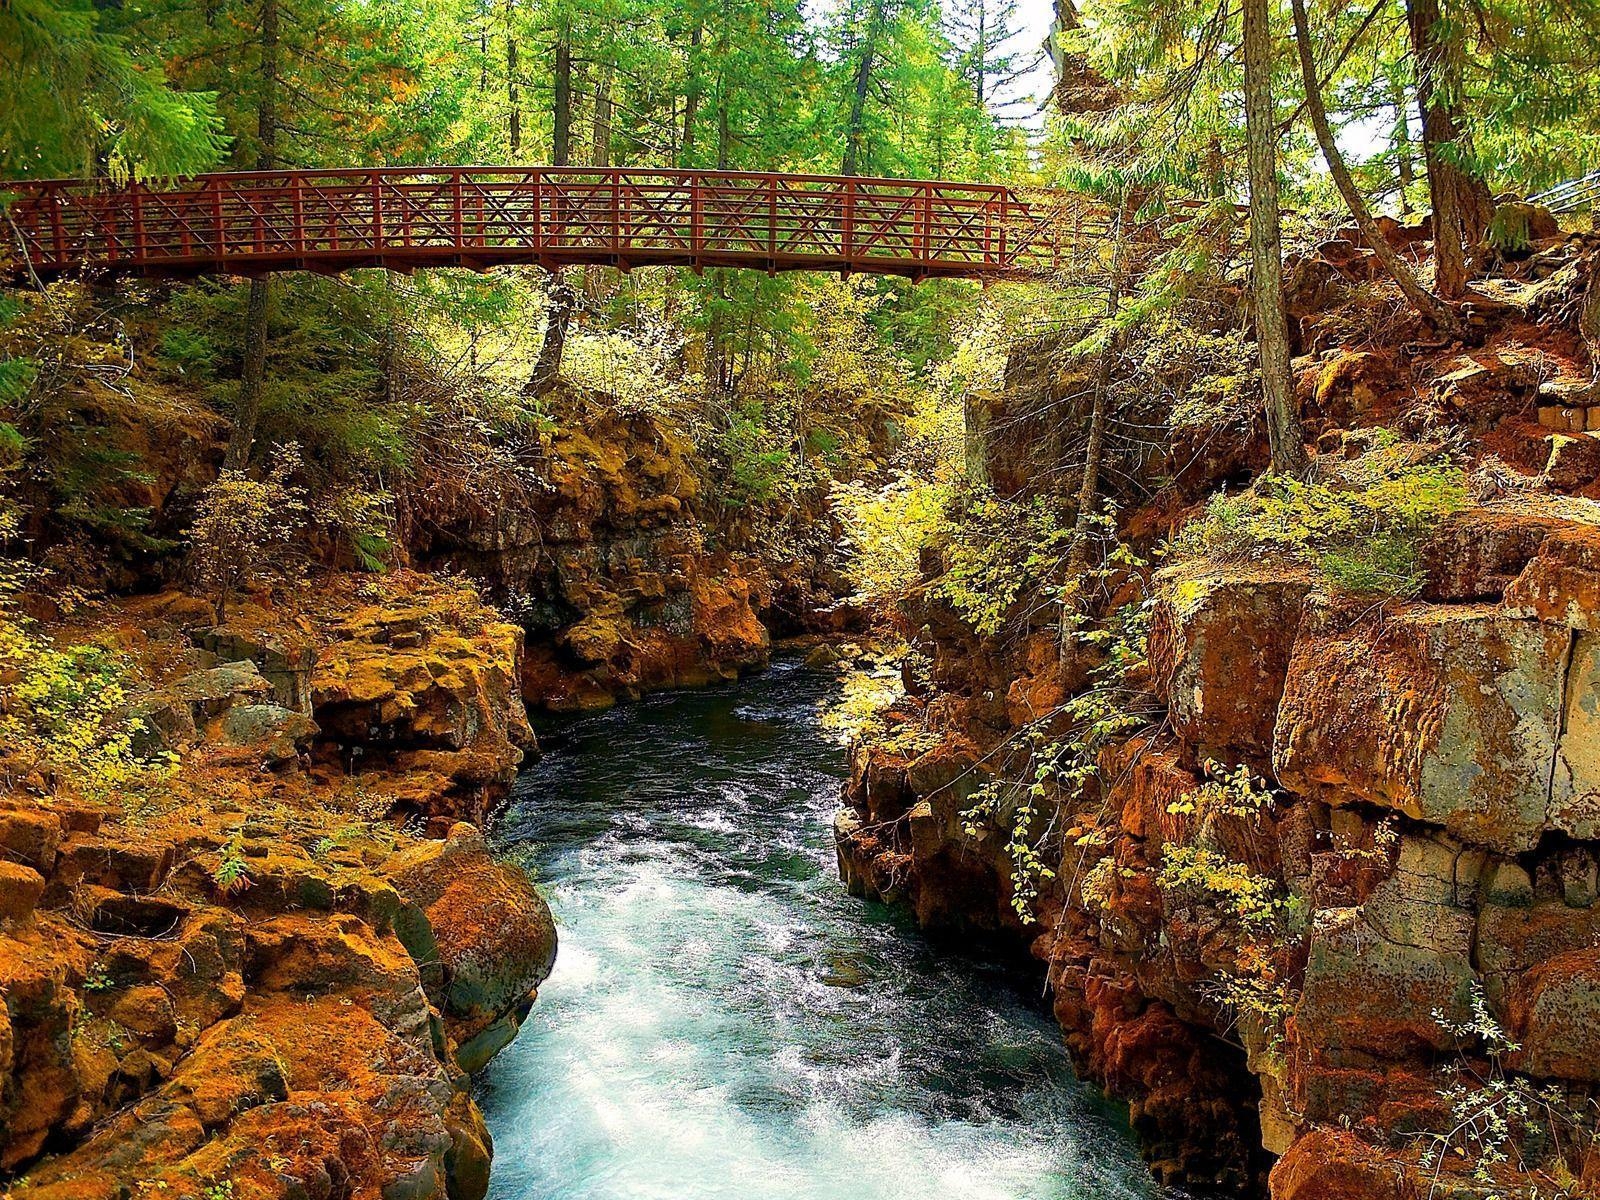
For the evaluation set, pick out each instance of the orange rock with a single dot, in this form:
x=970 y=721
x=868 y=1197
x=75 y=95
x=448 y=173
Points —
x=1328 y=1164
x=1446 y=713
x=1220 y=648
x=1561 y=583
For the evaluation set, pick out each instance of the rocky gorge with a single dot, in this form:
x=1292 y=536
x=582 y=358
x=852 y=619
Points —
x=269 y=960
x=1315 y=895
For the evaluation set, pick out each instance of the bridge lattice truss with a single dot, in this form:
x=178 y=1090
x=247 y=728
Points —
x=251 y=223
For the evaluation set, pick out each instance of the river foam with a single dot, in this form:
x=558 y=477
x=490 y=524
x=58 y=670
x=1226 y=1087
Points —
x=723 y=1022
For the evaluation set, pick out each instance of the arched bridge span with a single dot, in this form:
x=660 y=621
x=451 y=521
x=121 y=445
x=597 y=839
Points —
x=403 y=218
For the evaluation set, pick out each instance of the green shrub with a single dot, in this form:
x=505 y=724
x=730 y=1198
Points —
x=756 y=461
x=1362 y=533
x=999 y=551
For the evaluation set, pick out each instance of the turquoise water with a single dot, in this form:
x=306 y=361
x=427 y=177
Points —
x=724 y=1023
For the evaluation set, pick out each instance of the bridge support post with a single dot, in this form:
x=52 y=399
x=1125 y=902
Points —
x=847 y=246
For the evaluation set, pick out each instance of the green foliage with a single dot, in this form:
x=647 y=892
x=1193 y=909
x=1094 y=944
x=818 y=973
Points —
x=1213 y=376
x=1060 y=769
x=98 y=980
x=1231 y=887
x=231 y=874
x=631 y=371
x=1500 y=1121
x=73 y=93
x=870 y=694
x=1363 y=533
x=64 y=707
x=1001 y=550
x=1254 y=987
x=333 y=352
x=1238 y=792
x=888 y=528
x=756 y=461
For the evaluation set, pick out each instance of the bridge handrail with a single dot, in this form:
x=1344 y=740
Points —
x=329 y=219
x=106 y=186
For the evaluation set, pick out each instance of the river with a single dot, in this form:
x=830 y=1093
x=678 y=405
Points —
x=725 y=1023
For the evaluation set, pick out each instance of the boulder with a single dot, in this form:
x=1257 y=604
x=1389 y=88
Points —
x=339 y=955
x=1574 y=462
x=1411 y=943
x=1220 y=647
x=1555 y=1008
x=1562 y=582
x=1328 y=1164
x=481 y=933
x=30 y=834
x=1486 y=387
x=213 y=691
x=279 y=734
x=447 y=701
x=1351 y=386
x=283 y=658
x=20 y=889
x=120 y=862
x=1475 y=554
x=1447 y=714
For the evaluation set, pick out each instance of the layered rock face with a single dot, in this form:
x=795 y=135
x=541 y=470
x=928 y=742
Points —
x=306 y=1034
x=624 y=575
x=253 y=982
x=1433 y=838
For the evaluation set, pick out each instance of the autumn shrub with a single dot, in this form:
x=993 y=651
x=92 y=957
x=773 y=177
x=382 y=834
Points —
x=888 y=523
x=65 y=708
x=1060 y=752
x=246 y=533
x=1000 y=551
x=633 y=372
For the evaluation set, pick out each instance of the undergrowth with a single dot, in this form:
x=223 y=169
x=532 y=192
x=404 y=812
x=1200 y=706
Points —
x=1363 y=532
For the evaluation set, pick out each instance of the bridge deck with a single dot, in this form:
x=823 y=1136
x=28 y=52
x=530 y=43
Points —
x=250 y=223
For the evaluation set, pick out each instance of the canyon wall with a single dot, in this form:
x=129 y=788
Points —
x=631 y=568
x=1325 y=915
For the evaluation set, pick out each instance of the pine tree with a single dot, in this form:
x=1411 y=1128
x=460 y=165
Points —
x=79 y=99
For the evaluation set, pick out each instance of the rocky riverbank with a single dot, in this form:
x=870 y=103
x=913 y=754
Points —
x=254 y=943
x=1323 y=908
x=274 y=974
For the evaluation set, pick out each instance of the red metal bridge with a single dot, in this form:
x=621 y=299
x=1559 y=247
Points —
x=402 y=218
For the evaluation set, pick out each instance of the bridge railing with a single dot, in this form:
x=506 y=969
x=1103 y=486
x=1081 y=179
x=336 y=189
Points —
x=404 y=218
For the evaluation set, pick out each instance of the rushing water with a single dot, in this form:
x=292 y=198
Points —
x=725 y=1022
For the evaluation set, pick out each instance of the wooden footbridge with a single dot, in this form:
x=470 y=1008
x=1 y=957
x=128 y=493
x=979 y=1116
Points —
x=402 y=218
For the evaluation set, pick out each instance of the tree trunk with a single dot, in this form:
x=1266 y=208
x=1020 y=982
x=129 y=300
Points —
x=691 y=96
x=981 y=51
x=855 y=127
x=1424 y=301
x=247 y=415
x=724 y=132
x=1089 y=487
x=560 y=301
x=1459 y=201
x=561 y=113
x=1266 y=238
x=1405 y=167
x=601 y=155
x=513 y=98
